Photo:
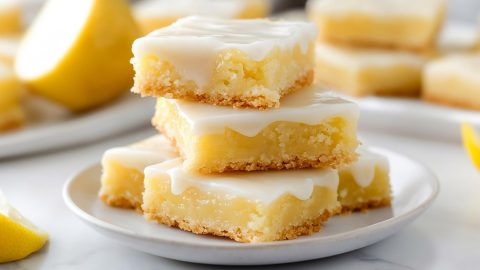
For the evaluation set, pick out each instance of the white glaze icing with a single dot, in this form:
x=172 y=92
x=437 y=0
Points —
x=142 y=154
x=259 y=186
x=309 y=106
x=183 y=8
x=361 y=58
x=363 y=170
x=192 y=44
x=382 y=8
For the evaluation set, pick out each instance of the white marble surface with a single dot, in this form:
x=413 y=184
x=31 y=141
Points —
x=447 y=236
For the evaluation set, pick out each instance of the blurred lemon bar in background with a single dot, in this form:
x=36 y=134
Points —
x=369 y=71
x=18 y=236
x=122 y=170
x=244 y=206
x=77 y=53
x=155 y=14
x=11 y=21
x=8 y=49
x=365 y=183
x=389 y=23
x=11 y=113
x=471 y=142
x=454 y=81
x=310 y=129
x=240 y=63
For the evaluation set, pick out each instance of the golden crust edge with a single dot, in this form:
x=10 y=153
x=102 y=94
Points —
x=259 y=102
x=121 y=202
x=432 y=98
x=11 y=126
x=306 y=228
x=365 y=206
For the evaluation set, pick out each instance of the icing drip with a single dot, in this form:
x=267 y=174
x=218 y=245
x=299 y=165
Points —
x=259 y=186
x=309 y=106
x=142 y=154
x=363 y=170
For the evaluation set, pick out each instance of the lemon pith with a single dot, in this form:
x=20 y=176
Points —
x=471 y=142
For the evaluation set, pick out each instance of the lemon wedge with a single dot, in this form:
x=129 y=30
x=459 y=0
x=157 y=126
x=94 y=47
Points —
x=18 y=236
x=77 y=52
x=471 y=142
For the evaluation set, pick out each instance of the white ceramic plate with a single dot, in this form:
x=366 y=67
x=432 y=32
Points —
x=414 y=188
x=56 y=129
x=414 y=118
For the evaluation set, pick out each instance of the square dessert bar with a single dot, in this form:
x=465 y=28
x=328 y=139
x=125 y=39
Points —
x=361 y=71
x=240 y=63
x=390 y=23
x=453 y=81
x=11 y=112
x=365 y=183
x=246 y=207
x=122 y=176
x=311 y=129
x=154 y=14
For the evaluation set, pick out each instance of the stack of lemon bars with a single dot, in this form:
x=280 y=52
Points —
x=249 y=149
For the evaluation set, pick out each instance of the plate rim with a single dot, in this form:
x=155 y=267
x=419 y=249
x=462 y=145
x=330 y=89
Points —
x=66 y=131
x=433 y=182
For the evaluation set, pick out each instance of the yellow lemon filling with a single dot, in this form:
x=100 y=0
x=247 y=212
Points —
x=236 y=79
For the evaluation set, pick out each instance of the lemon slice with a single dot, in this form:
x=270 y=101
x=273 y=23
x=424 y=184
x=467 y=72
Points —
x=77 y=52
x=471 y=142
x=18 y=236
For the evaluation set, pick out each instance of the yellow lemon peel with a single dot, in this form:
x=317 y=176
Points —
x=471 y=142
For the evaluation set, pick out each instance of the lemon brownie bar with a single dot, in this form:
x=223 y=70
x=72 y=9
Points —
x=246 y=207
x=154 y=14
x=360 y=72
x=365 y=183
x=453 y=81
x=311 y=129
x=122 y=176
x=11 y=112
x=240 y=63
x=391 y=23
